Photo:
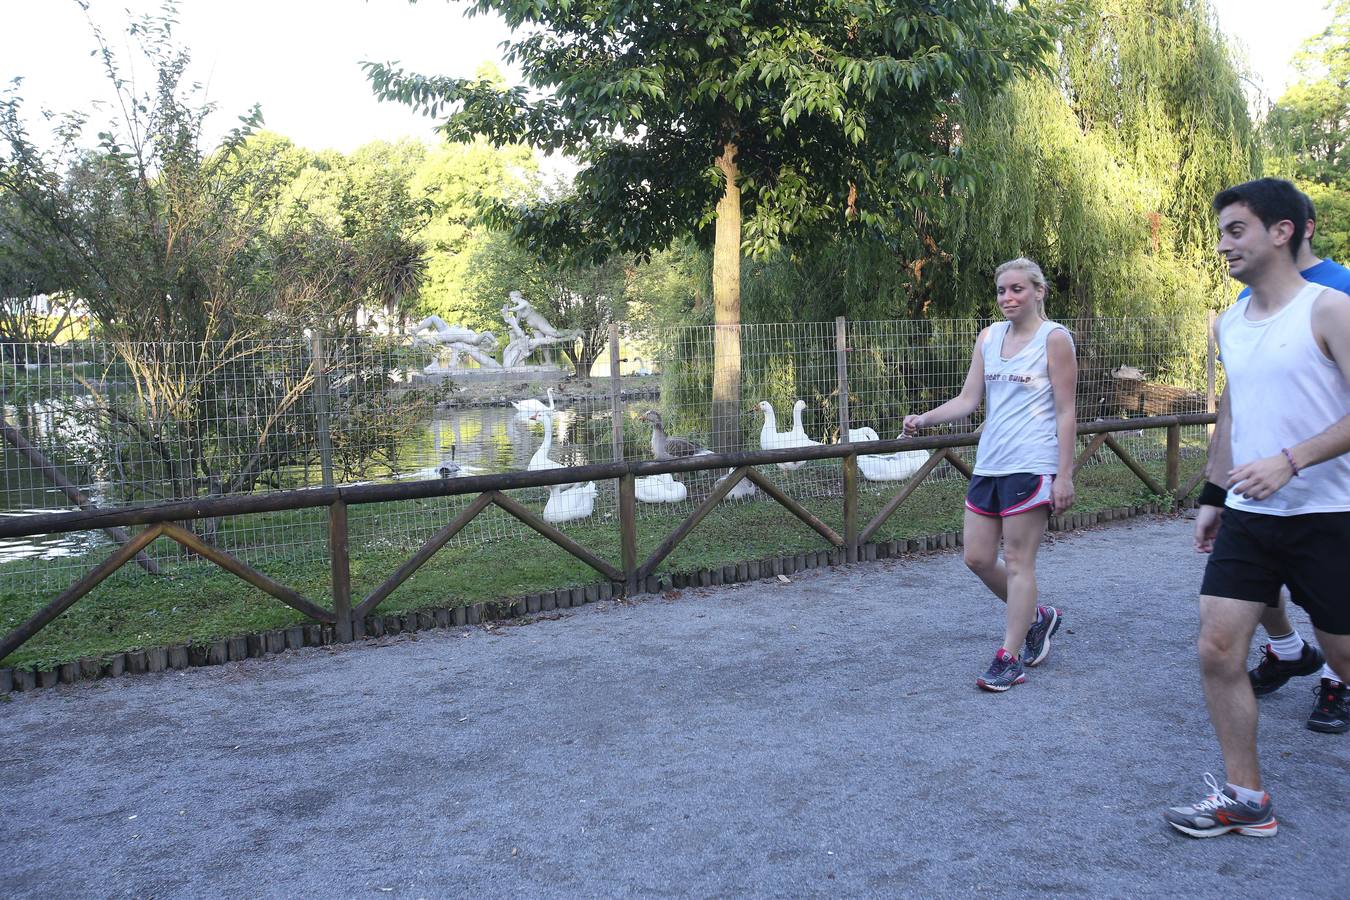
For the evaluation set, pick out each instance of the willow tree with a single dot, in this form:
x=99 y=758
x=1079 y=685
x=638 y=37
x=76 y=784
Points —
x=1104 y=169
x=755 y=123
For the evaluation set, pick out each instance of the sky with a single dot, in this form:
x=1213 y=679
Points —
x=299 y=59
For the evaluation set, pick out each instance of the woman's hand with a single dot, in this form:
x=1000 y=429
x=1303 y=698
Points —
x=913 y=425
x=1061 y=493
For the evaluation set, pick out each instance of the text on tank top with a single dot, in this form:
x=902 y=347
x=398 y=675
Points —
x=1019 y=425
x=1282 y=390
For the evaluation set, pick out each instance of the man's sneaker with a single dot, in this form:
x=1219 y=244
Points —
x=1331 y=712
x=1272 y=672
x=1005 y=671
x=1038 y=636
x=1221 y=812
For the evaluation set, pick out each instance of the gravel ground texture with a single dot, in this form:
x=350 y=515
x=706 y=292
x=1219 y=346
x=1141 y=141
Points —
x=820 y=737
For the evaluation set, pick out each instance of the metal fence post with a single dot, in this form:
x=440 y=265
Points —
x=325 y=434
x=627 y=483
x=615 y=389
x=1210 y=353
x=841 y=366
x=850 y=462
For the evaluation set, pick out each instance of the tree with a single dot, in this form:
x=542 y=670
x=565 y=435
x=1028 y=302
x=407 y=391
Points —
x=199 y=285
x=769 y=123
x=581 y=297
x=1306 y=132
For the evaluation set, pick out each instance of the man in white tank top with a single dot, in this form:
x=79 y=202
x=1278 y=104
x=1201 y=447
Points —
x=1280 y=448
x=1287 y=655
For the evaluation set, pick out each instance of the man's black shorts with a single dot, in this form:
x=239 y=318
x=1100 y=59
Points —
x=1255 y=554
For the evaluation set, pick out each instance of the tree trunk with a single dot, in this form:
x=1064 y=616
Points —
x=726 y=280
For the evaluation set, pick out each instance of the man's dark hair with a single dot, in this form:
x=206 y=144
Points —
x=1271 y=200
x=1312 y=210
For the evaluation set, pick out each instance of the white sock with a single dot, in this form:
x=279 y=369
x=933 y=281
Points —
x=1329 y=675
x=1287 y=646
x=1244 y=795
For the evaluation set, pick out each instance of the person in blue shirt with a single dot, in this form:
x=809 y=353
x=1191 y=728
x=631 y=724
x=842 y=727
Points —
x=1287 y=655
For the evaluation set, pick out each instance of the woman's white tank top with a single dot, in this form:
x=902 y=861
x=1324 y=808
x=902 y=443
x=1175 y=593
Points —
x=1019 y=424
x=1282 y=390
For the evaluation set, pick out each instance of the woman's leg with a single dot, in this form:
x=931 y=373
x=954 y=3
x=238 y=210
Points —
x=982 y=534
x=1022 y=535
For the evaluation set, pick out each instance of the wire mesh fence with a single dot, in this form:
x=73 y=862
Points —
x=100 y=424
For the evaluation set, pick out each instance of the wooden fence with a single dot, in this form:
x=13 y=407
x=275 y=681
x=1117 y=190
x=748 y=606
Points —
x=628 y=575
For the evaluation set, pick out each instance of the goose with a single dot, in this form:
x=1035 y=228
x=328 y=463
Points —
x=572 y=503
x=770 y=438
x=666 y=447
x=540 y=461
x=864 y=433
x=896 y=466
x=797 y=430
x=527 y=408
x=660 y=489
x=742 y=491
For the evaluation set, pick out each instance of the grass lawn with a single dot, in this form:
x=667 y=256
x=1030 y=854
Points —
x=198 y=602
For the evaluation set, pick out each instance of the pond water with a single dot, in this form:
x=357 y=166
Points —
x=469 y=441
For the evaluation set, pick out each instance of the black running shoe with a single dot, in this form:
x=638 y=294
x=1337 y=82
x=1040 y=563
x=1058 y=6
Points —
x=1272 y=672
x=1331 y=712
x=1037 y=647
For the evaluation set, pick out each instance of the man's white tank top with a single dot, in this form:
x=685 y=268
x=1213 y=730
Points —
x=1019 y=424
x=1282 y=390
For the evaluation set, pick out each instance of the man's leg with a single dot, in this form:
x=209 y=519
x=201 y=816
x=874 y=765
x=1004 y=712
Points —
x=1226 y=629
x=1275 y=620
x=1286 y=656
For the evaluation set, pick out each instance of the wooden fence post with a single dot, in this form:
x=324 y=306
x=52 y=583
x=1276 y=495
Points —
x=628 y=531
x=851 y=507
x=341 y=568
x=1173 y=459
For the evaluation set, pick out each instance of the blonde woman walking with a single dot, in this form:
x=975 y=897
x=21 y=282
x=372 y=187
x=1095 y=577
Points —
x=1025 y=372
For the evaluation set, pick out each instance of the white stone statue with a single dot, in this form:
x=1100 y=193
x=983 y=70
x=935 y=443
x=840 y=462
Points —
x=521 y=345
x=458 y=340
x=523 y=309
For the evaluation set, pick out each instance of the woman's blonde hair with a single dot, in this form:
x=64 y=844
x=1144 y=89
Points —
x=1034 y=275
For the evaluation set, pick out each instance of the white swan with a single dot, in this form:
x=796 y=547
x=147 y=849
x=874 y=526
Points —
x=540 y=461
x=527 y=408
x=566 y=505
x=660 y=489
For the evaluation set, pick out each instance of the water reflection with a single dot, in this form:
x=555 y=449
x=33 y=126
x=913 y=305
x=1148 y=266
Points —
x=456 y=442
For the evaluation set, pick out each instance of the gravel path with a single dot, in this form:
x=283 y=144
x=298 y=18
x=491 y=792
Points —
x=818 y=738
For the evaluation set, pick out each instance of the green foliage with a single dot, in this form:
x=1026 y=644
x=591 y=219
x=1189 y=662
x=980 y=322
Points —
x=200 y=276
x=835 y=107
x=1306 y=132
x=1104 y=172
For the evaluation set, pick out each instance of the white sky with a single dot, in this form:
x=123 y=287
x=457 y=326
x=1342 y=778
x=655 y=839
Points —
x=299 y=58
